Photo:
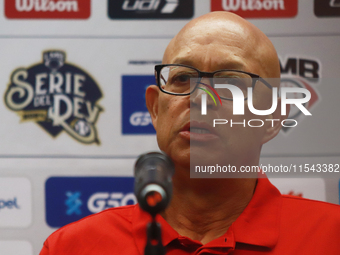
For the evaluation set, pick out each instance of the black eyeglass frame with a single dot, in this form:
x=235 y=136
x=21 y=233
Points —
x=201 y=74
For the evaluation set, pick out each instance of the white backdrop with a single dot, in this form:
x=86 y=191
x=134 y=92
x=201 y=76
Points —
x=108 y=49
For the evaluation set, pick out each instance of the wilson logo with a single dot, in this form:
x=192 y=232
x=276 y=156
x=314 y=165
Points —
x=257 y=8
x=48 y=9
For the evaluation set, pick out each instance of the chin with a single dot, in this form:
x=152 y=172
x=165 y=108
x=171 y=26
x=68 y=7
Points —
x=181 y=158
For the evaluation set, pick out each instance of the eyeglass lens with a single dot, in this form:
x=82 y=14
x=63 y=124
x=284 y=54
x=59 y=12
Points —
x=183 y=80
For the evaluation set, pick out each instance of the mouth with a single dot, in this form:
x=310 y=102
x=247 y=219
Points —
x=198 y=131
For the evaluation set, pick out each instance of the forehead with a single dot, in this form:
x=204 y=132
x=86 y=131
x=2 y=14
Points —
x=214 y=45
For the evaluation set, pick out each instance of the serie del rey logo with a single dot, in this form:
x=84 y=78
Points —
x=257 y=8
x=57 y=96
x=47 y=9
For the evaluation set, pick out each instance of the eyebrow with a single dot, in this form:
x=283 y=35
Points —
x=233 y=65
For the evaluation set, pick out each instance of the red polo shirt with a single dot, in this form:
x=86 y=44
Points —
x=271 y=224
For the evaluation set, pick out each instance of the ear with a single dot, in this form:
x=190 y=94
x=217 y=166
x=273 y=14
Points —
x=151 y=98
x=274 y=126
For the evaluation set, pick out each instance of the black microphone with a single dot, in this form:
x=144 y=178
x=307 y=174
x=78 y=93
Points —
x=153 y=181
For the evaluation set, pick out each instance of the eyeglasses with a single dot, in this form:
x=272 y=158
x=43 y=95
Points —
x=182 y=80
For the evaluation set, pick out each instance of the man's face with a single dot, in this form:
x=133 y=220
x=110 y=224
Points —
x=178 y=119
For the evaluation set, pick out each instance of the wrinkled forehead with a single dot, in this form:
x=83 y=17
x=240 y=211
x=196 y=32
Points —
x=206 y=28
x=220 y=38
x=210 y=32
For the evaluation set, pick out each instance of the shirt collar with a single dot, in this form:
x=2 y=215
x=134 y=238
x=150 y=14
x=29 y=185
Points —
x=257 y=225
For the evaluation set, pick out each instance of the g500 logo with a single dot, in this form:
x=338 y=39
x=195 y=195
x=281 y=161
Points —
x=103 y=200
x=57 y=96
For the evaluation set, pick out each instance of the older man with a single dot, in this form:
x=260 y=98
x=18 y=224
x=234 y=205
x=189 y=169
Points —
x=212 y=216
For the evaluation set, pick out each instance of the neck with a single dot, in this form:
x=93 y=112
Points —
x=204 y=209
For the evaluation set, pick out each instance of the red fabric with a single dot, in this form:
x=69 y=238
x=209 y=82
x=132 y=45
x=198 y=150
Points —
x=271 y=224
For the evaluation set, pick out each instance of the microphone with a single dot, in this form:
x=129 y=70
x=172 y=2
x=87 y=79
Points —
x=153 y=181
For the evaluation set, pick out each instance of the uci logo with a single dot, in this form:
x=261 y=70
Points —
x=334 y=3
x=150 y=9
x=150 y=5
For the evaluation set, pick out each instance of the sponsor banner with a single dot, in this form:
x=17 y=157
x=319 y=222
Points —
x=47 y=9
x=258 y=8
x=15 y=202
x=57 y=96
x=301 y=60
x=311 y=188
x=135 y=116
x=305 y=62
x=16 y=248
x=150 y=9
x=327 y=8
x=31 y=138
x=71 y=198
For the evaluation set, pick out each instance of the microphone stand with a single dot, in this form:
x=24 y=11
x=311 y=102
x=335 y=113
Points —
x=153 y=189
x=154 y=244
x=153 y=205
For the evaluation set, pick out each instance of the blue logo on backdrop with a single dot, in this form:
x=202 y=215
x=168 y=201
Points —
x=73 y=203
x=136 y=118
x=71 y=198
x=9 y=204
